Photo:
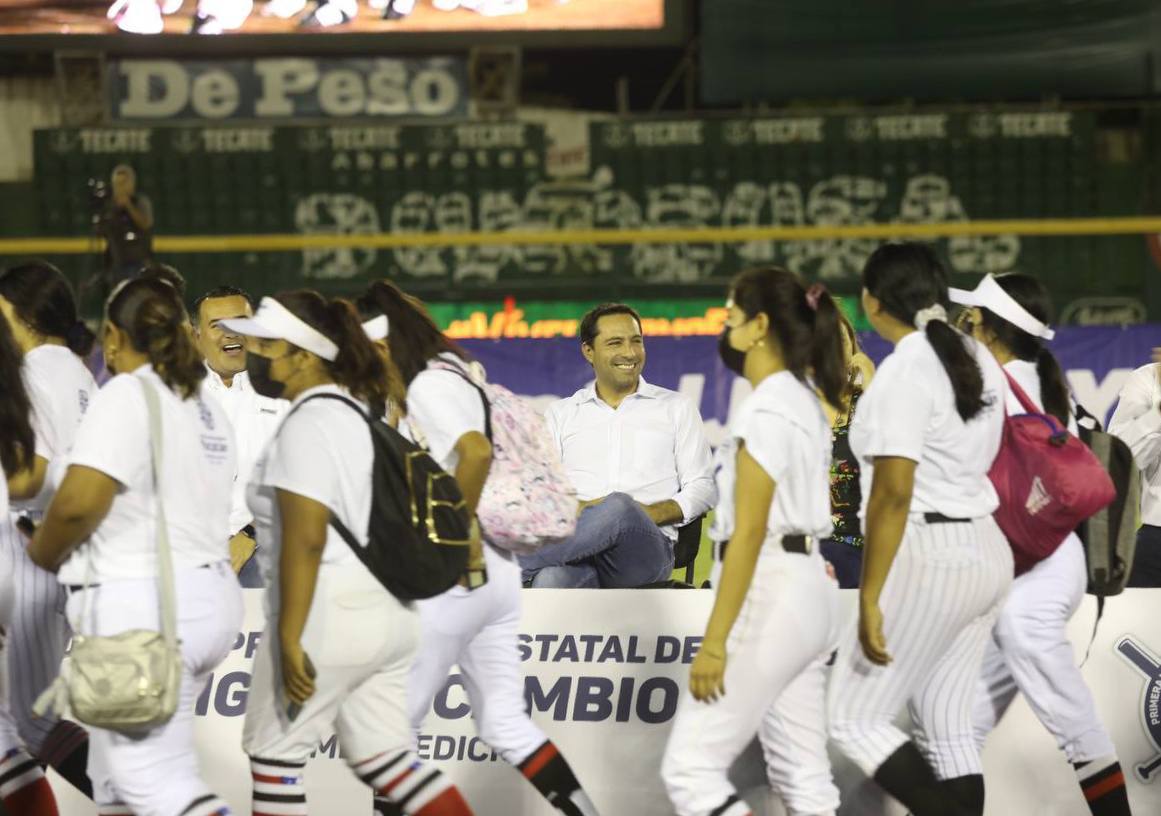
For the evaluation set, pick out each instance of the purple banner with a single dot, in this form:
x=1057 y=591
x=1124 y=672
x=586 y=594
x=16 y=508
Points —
x=1096 y=360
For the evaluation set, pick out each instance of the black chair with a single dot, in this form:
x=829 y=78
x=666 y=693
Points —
x=684 y=555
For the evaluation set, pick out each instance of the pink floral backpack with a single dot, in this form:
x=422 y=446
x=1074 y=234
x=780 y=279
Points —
x=527 y=501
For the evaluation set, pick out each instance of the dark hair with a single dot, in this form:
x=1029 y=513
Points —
x=808 y=337
x=165 y=272
x=414 y=337
x=907 y=277
x=588 y=324
x=224 y=291
x=43 y=298
x=17 y=443
x=150 y=311
x=358 y=366
x=1033 y=297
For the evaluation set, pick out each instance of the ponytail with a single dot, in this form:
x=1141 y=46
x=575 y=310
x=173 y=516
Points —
x=415 y=338
x=43 y=298
x=17 y=442
x=359 y=367
x=804 y=322
x=150 y=311
x=908 y=278
x=826 y=349
x=1053 y=391
x=80 y=339
x=967 y=381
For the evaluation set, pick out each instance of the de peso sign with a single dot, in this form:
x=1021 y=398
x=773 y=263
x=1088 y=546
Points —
x=161 y=90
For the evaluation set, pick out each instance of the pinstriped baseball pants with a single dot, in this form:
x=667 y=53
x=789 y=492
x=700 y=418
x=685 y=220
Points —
x=939 y=605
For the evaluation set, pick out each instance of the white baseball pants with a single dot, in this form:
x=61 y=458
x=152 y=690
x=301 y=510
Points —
x=361 y=640
x=775 y=663
x=158 y=774
x=939 y=605
x=477 y=630
x=1030 y=652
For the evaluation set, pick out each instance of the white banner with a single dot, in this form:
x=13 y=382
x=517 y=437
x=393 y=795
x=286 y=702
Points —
x=604 y=670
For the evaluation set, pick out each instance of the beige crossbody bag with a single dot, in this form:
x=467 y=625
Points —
x=127 y=682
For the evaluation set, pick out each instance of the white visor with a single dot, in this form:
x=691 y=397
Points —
x=273 y=321
x=376 y=328
x=991 y=296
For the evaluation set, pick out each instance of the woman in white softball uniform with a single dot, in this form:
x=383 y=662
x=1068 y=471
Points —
x=1030 y=651
x=936 y=567
x=41 y=309
x=100 y=530
x=338 y=646
x=775 y=621
x=474 y=627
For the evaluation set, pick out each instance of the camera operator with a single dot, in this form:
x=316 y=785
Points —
x=126 y=223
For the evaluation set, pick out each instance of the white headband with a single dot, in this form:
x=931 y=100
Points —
x=376 y=328
x=273 y=321
x=991 y=296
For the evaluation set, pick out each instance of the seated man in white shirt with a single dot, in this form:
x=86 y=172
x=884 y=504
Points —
x=253 y=417
x=638 y=458
x=1137 y=421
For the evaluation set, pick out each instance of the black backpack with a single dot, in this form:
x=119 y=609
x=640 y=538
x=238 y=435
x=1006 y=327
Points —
x=1110 y=536
x=420 y=526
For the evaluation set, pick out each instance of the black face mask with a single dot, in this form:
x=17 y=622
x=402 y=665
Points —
x=732 y=359
x=258 y=370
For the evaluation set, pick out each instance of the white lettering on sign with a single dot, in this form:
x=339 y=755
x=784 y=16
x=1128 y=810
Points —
x=483 y=136
x=238 y=140
x=663 y=134
x=280 y=80
x=154 y=89
x=371 y=138
x=214 y=95
x=901 y=128
x=786 y=131
x=1034 y=125
x=135 y=140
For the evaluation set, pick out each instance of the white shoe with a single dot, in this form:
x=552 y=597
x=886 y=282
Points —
x=283 y=9
x=446 y=5
x=171 y=6
x=136 y=16
x=230 y=14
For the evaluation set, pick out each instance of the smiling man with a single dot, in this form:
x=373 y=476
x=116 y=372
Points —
x=638 y=458
x=255 y=418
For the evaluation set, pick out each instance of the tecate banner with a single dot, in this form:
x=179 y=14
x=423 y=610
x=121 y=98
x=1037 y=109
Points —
x=166 y=90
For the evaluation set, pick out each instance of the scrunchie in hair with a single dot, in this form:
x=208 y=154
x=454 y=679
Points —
x=925 y=316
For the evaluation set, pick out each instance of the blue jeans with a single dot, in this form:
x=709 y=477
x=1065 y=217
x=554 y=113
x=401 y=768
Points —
x=847 y=561
x=250 y=576
x=616 y=546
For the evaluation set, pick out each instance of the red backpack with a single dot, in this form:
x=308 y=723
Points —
x=1048 y=482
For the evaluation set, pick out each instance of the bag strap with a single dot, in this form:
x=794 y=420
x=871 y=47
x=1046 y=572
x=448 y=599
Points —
x=164 y=554
x=454 y=369
x=1027 y=404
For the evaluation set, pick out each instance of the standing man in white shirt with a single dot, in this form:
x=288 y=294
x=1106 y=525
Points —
x=254 y=418
x=638 y=458
x=1137 y=421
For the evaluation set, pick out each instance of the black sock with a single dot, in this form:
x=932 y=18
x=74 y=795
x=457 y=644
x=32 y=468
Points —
x=732 y=807
x=66 y=750
x=385 y=807
x=548 y=772
x=968 y=791
x=1103 y=784
x=907 y=776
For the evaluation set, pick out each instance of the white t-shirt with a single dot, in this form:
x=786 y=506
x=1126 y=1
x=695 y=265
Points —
x=197 y=471
x=60 y=388
x=908 y=411
x=442 y=406
x=323 y=452
x=1026 y=376
x=254 y=419
x=1137 y=421
x=783 y=427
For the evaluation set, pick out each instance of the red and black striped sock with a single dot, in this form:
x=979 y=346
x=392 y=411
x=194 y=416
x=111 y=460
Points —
x=23 y=788
x=66 y=751
x=550 y=774
x=279 y=789
x=415 y=789
x=1103 y=784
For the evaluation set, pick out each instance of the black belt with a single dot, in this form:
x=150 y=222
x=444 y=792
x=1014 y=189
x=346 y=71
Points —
x=796 y=543
x=940 y=518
